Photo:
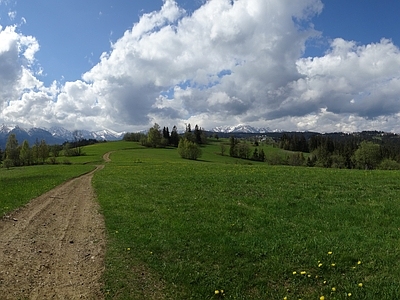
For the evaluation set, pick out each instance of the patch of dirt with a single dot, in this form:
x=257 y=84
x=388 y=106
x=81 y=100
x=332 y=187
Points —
x=53 y=248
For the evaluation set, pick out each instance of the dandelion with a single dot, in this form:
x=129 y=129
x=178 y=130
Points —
x=285 y=298
x=116 y=231
x=324 y=281
x=333 y=289
x=330 y=253
x=360 y=284
x=129 y=249
x=319 y=265
x=303 y=272
x=333 y=265
x=294 y=272
x=216 y=292
x=349 y=294
x=359 y=262
x=322 y=298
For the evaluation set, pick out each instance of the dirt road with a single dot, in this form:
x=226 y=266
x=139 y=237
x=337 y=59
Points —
x=53 y=248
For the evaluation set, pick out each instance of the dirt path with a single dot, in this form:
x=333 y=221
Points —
x=53 y=248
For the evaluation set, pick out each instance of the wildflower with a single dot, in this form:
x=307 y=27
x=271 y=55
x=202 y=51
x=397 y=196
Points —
x=309 y=276
x=360 y=284
x=333 y=265
x=319 y=265
x=129 y=249
x=116 y=231
x=330 y=253
x=324 y=281
x=359 y=262
x=349 y=294
x=303 y=272
x=294 y=272
x=285 y=298
x=216 y=292
x=333 y=289
x=322 y=298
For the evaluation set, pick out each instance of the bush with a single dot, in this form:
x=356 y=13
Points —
x=8 y=163
x=389 y=164
x=188 y=149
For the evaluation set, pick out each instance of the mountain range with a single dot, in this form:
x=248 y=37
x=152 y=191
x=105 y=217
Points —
x=241 y=128
x=59 y=135
x=54 y=135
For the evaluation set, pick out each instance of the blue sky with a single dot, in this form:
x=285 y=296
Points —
x=329 y=65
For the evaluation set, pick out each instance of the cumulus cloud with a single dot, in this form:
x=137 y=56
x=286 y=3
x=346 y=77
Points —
x=227 y=62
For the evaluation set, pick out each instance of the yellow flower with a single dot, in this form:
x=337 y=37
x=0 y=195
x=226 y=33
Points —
x=216 y=292
x=319 y=265
x=294 y=272
x=129 y=249
x=222 y=291
x=333 y=289
x=349 y=294
x=360 y=284
x=285 y=298
x=330 y=252
x=359 y=262
x=324 y=281
x=322 y=298
x=333 y=265
x=303 y=272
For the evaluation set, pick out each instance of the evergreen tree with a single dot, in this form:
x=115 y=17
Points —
x=174 y=139
x=44 y=151
x=261 y=155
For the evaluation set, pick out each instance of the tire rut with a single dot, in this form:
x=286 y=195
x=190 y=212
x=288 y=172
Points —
x=53 y=248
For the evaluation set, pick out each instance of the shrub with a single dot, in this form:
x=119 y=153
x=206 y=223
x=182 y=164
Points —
x=389 y=164
x=188 y=149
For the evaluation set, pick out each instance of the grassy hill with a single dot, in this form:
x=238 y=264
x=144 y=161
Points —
x=224 y=228
x=182 y=229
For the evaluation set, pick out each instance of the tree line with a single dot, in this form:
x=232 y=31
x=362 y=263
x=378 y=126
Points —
x=188 y=144
x=15 y=154
x=365 y=150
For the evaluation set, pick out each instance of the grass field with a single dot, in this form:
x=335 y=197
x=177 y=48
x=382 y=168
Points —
x=225 y=228
x=19 y=185
x=228 y=228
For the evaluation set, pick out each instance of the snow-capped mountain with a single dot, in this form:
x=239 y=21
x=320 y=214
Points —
x=241 y=128
x=54 y=135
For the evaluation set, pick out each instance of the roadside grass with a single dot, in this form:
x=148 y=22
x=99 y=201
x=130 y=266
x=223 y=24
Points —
x=94 y=153
x=20 y=185
x=211 y=229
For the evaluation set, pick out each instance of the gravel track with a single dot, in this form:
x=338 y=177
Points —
x=53 y=248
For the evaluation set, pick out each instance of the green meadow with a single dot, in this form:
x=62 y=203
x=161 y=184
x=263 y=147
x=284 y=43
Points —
x=19 y=185
x=224 y=228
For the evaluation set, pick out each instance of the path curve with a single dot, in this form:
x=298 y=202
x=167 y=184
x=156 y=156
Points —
x=53 y=248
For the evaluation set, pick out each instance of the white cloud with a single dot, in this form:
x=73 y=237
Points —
x=12 y=14
x=228 y=62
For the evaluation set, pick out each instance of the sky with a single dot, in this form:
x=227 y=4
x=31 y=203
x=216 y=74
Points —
x=310 y=65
